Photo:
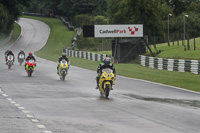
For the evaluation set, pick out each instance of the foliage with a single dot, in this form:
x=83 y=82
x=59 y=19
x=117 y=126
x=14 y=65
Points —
x=149 y=13
x=100 y=20
x=74 y=7
x=4 y=18
x=10 y=10
x=83 y=19
x=179 y=6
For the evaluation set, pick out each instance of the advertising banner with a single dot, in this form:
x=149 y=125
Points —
x=118 y=30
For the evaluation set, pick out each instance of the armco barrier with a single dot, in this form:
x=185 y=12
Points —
x=86 y=55
x=180 y=65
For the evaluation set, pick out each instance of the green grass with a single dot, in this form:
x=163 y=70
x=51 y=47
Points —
x=178 y=52
x=3 y=36
x=171 y=52
x=184 y=80
x=59 y=38
x=16 y=33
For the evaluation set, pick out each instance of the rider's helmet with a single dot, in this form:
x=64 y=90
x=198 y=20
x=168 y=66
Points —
x=30 y=54
x=106 y=61
x=21 y=50
x=63 y=54
x=10 y=50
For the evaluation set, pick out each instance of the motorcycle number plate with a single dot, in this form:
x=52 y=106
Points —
x=21 y=56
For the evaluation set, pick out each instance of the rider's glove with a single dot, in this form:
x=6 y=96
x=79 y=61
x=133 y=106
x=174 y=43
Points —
x=99 y=74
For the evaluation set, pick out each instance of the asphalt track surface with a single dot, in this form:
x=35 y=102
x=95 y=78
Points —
x=44 y=104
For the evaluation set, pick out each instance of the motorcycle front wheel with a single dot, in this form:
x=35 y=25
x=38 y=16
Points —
x=107 y=90
x=30 y=73
x=9 y=66
x=63 y=76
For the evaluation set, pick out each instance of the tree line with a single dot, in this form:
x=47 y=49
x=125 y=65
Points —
x=153 y=14
x=10 y=10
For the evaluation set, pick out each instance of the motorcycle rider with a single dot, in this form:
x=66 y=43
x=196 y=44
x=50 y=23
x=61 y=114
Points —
x=9 y=52
x=5 y=54
x=63 y=57
x=21 y=52
x=105 y=64
x=29 y=57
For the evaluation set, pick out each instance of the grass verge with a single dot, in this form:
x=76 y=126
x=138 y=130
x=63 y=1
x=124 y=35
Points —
x=177 y=51
x=59 y=38
x=16 y=34
x=184 y=80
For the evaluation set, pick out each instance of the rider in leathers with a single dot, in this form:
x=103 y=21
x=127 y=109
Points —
x=21 y=52
x=29 y=57
x=105 y=64
x=63 y=57
x=9 y=52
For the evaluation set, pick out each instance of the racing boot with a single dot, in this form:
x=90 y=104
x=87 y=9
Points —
x=97 y=78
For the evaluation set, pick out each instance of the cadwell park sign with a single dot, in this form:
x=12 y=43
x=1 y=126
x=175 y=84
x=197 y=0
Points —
x=118 y=31
x=135 y=30
x=123 y=50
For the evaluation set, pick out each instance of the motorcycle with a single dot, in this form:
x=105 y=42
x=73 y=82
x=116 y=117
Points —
x=21 y=58
x=106 y=82
x=10 y=61
x=30 y=66
x=63 y=69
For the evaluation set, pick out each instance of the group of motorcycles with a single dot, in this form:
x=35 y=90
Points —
x=105 y=82
x=30 y=64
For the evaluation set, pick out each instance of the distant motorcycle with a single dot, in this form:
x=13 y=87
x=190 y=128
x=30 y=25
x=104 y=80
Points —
x=21 y=58
x=63 y=69
x=106 y=82
x=30 y=66
x=10 y=61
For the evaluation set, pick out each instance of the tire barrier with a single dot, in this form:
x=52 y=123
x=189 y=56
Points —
x=180 y=65
x=86 y=55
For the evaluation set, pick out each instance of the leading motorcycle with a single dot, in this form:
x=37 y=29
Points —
x=10 y=61
x=63 y=69
x=106 y=82
x=30 y=66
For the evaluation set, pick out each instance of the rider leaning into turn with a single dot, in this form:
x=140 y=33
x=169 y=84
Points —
x=63 y=57
x=105 y=64
x=21 y=52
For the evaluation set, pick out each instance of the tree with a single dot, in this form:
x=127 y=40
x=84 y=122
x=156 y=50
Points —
x=74 y=7
x=152 y=14
x=13 y=11
x=3 y=18
x=179 y=6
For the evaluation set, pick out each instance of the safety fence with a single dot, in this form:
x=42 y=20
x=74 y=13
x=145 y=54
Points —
x=86 y=55
x=180 y=65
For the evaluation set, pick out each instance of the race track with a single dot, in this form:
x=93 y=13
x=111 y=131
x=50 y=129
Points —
x=44 y=104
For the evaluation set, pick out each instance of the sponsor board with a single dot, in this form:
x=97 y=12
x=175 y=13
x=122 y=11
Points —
x=118 y=30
